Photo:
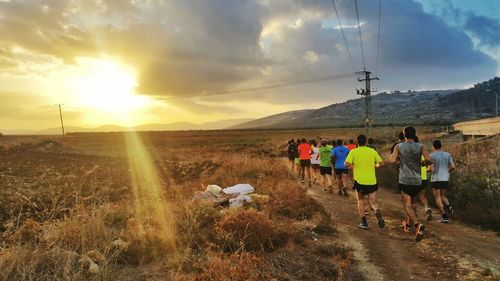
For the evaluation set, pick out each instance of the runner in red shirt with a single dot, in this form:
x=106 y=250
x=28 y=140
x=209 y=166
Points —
x=351 y=145
x=305 y=151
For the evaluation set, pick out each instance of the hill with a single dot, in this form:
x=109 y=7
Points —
x=395 y=108
x=178 y=126
x=279 y=118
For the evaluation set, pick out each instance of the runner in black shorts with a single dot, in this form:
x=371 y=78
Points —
x=363 y=161
x=411 y=190
x=365 y=189
x=409 y=154
x=423 y=186
x=305 y=151
x=305 y=163
x=442 y=164
x=325 y=166
x=325 y=171
x=439 y=185
x=292 y=154
x=339 y=172
x=339 y=155
x=315 y=162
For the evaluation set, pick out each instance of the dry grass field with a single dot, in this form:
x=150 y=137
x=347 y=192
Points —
x=113 y=206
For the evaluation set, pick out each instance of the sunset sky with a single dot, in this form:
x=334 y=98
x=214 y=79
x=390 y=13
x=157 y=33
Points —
x=137 y=62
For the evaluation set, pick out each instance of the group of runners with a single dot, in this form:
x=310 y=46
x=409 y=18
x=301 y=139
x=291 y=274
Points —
x=353 y=163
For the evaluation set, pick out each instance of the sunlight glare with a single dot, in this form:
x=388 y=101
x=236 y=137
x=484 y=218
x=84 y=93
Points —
x=151 y=206
x=108 y=86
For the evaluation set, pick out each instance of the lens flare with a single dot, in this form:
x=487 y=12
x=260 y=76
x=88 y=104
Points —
x=150 y=203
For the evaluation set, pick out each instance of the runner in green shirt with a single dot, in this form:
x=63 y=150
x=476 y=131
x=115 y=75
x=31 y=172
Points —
x=325 y=166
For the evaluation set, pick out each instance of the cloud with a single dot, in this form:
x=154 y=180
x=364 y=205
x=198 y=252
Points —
x=184 y=48
x=200 y=107
x=486 y=29
x=28 y=107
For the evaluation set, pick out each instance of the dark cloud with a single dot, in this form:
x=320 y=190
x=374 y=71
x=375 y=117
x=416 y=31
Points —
x=486 y=29
x=200 y=108
x=184 y=48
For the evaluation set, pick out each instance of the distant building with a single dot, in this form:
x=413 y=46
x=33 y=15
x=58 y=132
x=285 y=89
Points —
x=478 y=128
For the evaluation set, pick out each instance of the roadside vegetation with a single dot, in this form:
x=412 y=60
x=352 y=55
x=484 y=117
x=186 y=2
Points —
x=68 y=212
x=69 y=208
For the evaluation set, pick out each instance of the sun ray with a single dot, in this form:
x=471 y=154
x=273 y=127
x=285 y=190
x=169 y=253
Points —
x=150 y=203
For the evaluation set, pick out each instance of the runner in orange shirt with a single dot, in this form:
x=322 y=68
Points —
x=305 y=151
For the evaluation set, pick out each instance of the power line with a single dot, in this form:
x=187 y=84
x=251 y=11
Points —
x=343 y=36
x=267 y=87
x=360 y=37
x=378 y=37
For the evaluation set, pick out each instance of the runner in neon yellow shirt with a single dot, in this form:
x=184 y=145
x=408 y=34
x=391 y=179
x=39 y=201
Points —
x=421 y=193
x=363 y=161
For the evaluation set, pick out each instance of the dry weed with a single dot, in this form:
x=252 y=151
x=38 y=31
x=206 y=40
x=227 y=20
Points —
x=245 y=230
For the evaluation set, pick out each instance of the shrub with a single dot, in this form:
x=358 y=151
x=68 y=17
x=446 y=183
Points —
x=475 y=200
x=249 y=230
x=29 y=232
x=147 y=240
x=387 y=176
x=195 y=222
x=236 y=267
x=292 y=201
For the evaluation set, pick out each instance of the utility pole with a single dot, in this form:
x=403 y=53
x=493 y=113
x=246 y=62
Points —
x=368 y=99
x=60 y=116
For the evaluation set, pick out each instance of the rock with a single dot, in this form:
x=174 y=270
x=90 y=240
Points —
x=214 y=189
x=93 y=268
x=96 y=257
x=119 y=244
x=86 y=263
x=9 y=225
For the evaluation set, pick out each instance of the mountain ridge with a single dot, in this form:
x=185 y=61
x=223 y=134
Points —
x=176 y=126
x=431 y=107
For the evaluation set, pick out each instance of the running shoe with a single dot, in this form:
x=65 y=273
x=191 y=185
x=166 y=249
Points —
x=363 y=225
x=443 y=219
x=419 y=230
x=366 y=212
x=344 y=191
x=302 y=181
x=450 y=210
x=429 y=214
x=406 y=226
x=330 y=189
x=380 y=220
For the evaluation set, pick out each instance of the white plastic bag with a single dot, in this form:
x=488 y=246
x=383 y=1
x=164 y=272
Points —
x=242 y=188
x=238 y=201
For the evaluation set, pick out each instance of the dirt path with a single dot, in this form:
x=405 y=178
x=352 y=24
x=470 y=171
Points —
x=448 y=252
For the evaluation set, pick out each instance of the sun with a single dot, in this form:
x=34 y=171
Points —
x=106 y=85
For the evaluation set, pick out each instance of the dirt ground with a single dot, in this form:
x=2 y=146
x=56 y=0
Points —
x=451 y=251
